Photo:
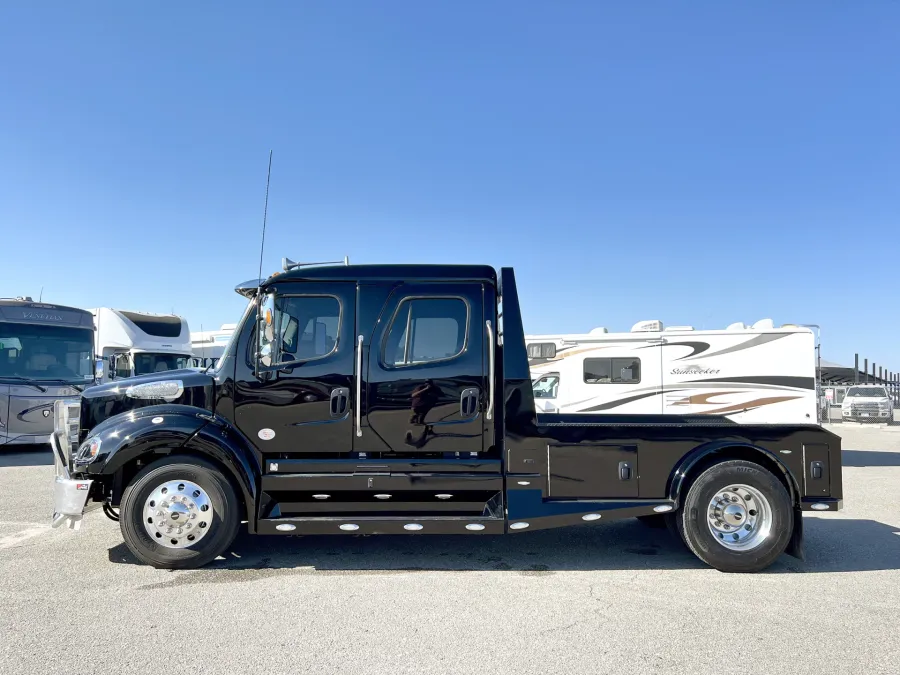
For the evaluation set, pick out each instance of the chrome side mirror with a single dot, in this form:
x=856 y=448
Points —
x=265 y=353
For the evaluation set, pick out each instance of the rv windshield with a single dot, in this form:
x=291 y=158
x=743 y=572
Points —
x=38 y=352
x=868 y=392
x=145 y=363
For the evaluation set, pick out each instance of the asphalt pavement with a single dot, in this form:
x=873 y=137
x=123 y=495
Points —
x=615 y=598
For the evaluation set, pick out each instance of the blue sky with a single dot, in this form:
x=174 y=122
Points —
x=699 y=163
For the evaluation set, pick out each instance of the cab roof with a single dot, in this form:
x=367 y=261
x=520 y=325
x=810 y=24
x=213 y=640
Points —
x=374 y=273
x=388 y=273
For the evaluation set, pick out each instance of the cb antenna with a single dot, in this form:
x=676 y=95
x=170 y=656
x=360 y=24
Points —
x=262 y=244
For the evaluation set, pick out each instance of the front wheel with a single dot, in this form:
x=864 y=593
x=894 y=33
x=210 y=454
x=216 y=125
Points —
x=179 y=513
x=737 y=517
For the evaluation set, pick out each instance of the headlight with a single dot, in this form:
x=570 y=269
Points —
x=167 y=390
x=67 y=422
x=88 y=451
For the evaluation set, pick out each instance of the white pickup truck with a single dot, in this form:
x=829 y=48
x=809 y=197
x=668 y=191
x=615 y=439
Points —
x=867 y=403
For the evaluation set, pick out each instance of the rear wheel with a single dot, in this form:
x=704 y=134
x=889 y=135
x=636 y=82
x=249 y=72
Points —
x=737 y=517
x=179 y=513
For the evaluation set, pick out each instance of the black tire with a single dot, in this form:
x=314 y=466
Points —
x=655 y=522
x=691 y=519
x=222 y=530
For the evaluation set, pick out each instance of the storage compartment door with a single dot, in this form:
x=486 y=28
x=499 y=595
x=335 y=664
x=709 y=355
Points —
x=593 y=471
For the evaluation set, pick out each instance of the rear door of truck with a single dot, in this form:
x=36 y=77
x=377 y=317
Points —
x=425 y=366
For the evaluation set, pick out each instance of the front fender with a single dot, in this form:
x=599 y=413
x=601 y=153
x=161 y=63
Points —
x=166 y=429
x=153 y=429
x=688 y=466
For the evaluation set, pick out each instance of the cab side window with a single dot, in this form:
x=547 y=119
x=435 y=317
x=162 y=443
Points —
x=123 y=366
x=426 y=330
x=307 y=326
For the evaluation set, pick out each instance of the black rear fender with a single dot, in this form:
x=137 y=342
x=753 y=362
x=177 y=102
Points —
x=704 y=456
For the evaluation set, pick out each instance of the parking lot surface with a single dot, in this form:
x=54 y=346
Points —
x=613 y=598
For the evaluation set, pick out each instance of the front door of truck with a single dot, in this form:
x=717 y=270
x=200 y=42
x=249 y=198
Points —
x=425 y=390
x=301 y=401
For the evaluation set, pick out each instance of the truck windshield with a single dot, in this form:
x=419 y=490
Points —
x=866 y=391
x=145 y=363
x=39 y=352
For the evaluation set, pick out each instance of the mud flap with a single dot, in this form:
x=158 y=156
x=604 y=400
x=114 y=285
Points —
x=795 y=545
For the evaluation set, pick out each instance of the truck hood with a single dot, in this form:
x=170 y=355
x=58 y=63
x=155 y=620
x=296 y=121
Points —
x=884 y=400
x=113 y=398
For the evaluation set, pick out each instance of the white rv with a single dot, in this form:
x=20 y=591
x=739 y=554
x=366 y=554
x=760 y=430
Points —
x=208 y=346
x=137 y=343
x=755 y=374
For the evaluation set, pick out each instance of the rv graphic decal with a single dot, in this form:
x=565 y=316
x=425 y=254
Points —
x=696 y=348
x=747 y=344
x=42 y=316
x=693 y=370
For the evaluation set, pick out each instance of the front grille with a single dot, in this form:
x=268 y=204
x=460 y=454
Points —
x=857 y=408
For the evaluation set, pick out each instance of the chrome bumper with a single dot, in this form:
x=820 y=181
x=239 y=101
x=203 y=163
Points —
x=69 y=495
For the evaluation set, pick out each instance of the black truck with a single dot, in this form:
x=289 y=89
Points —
x=396 y=399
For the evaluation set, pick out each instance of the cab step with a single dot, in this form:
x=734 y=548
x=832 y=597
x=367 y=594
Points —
x=368 y=525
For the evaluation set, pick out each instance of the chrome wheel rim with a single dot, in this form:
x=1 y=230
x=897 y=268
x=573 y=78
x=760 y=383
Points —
x=739 y=517
x=178 y=514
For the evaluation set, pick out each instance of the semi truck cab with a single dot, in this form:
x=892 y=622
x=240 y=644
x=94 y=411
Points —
x=397 y=399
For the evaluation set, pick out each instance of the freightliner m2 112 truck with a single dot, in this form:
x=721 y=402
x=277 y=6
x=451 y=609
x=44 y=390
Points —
x=397 y=399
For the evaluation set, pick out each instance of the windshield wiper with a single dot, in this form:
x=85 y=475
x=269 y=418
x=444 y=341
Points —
x=74 y=386
x=24 y=380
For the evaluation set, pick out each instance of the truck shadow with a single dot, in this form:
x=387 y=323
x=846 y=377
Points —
x=869 y=458
x=26 y=455
x=832 y=545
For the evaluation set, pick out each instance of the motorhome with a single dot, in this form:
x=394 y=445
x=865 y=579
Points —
x=758 y=374
x=138 y=343
x=46 y=354
x=209 y=345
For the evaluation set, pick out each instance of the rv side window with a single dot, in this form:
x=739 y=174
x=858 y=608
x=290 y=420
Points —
x=541 y=350
x=612 y=371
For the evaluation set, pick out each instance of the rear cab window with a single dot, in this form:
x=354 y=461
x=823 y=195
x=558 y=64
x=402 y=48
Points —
x=426 y=330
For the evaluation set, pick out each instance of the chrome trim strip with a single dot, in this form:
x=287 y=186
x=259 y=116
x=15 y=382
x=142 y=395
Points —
x=490 y=334
x=359 y=344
